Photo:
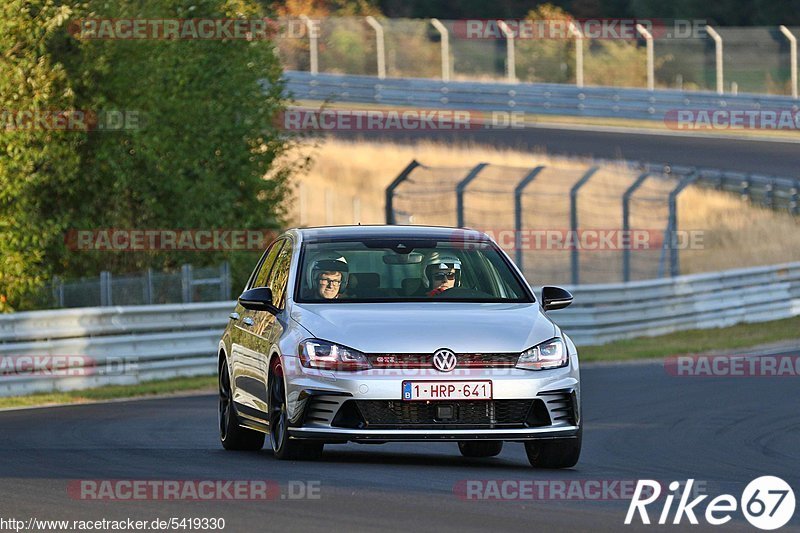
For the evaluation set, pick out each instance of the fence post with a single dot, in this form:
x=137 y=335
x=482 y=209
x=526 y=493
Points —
x=186 y=283
x=626 y=223
x=573 y=221
x=445 y=48
x=651 y=75
x=672 y=225
x=148 y=286
x=718 y=58
x=746 y=187
x=403 y=176
x=460 y=188
x=795 y=201
x=511 y=62
x=769 y=194
x=792 y=58
x=381 y=49
x=58 y=291
x=518 y=190
x=578 y=53
x=311 y=27
x=225 y=281
x=105 y=288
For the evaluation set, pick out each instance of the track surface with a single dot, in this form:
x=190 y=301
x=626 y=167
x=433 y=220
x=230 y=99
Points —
x=756 y=156
x=639 y=423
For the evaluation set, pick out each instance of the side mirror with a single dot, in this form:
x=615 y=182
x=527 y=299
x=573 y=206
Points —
x=555 y=298
x=258 y=299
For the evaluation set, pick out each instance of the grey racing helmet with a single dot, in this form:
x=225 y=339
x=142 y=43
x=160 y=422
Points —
x=442 y=263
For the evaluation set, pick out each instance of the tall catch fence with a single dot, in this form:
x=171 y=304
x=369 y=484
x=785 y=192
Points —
x=576 y=223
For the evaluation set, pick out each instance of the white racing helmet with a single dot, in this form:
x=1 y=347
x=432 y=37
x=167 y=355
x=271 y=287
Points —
x=328 y=262
x=442 y=263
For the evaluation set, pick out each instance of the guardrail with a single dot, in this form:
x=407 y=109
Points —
x=532 y=98
x=603 y=313
x=110 y=345
x=181 y=340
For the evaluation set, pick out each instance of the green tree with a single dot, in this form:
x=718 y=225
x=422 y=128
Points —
x=200 y=148
x=37 y=165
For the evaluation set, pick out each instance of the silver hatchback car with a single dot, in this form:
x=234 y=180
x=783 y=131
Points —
x=374 y=334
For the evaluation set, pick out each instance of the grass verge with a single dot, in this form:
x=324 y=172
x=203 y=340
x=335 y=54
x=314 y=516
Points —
x=695 y=341
x=112 y=392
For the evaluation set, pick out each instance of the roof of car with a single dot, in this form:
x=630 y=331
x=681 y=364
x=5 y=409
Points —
x=387 y=231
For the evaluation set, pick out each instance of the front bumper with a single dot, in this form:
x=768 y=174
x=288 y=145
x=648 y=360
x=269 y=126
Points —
x=317 y=400
x=420 y=435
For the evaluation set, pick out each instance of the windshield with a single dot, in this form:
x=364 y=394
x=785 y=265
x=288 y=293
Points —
x=406 y=270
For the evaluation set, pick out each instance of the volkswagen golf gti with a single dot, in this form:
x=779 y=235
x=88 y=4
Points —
x=374 y=334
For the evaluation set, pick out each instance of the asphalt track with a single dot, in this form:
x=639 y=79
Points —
x=640 y=422
x=771 y=157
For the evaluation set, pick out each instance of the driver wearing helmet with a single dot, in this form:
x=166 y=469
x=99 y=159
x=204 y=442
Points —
x=328 y=276
x=443 y=273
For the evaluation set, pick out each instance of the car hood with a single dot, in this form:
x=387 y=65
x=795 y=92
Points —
x=424 y=328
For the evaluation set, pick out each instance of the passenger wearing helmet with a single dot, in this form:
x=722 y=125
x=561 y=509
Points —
x=328 y=276
x=443 y=273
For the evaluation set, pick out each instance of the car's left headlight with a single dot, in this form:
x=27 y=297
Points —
x=549 y=354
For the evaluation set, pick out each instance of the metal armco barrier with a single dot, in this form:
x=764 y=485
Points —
x=533 y=98
x=603 y=313
x=181 y=340
x=127 y=345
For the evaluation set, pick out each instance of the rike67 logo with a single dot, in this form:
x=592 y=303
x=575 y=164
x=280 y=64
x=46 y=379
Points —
x=767 y=503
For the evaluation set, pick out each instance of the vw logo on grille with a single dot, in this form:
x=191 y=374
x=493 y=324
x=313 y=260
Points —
x=444 y=360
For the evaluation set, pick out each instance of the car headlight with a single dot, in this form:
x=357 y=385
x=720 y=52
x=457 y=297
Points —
x=315 y=353
x=549 y=354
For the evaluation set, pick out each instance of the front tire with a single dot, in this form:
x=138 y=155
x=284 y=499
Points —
x=231 y=434
x=489 y=448
x=555 y=453
x=284 y=447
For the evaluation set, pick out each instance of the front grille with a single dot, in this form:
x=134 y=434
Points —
x=465 y=414
x=465 y=360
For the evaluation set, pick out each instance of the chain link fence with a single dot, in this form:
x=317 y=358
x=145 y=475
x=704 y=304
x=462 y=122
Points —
x=190 y=284
x=585 y=223
x=756 y=59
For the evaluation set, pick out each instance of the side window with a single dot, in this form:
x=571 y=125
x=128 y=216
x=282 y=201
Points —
x=279 y=277
x=260 y=279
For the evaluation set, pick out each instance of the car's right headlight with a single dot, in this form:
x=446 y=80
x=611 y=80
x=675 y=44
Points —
x=549 y=354
x=315 y=353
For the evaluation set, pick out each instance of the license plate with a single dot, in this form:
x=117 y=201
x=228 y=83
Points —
x=447 y=390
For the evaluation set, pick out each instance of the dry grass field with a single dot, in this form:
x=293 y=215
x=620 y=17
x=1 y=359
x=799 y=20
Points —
x=347 y=180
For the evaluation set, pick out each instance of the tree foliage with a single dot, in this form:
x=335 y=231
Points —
x=199 y=139
x=37 y=166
